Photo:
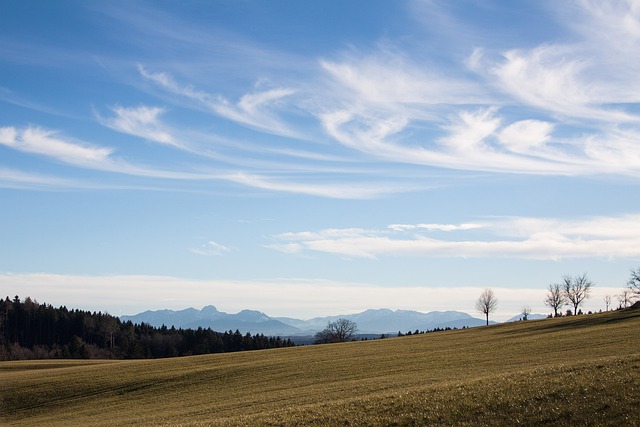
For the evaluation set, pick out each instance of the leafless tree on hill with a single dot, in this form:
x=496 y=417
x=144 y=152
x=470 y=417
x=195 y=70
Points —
x=341 y=330
x=576 y=290
x=625 y=298
x=634 y=282
x=486 y=303
x=555 y=298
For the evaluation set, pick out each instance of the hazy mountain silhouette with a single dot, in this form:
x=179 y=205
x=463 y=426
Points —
x=373 y=321
x=209 y=317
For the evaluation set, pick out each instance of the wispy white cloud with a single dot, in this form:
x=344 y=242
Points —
x=480 y=140
x=469 y=132
x=210 y=248
x=526 y=136
x=590 y=77
x=557 y=79
x=472 y=140
x=147 y=122
x=52 y=144
x=256 y=110
x=513 y=110
x=46 y=142
x=142 y=121
x=526 y=238
x=434 y=227
x=552 y=109
x=351 y=190
x=253 y=109
x=385 y=100
x=167 y=82
x=389 y=79
x=12 y=178
x=29 y=180
x=475 y=61
x=612 y=31
x=617 y=150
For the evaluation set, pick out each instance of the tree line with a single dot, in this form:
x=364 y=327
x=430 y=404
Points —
x=572 y=291
x=30 y=330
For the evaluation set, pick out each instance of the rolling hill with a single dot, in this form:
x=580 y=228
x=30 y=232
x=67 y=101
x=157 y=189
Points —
x=579 y=370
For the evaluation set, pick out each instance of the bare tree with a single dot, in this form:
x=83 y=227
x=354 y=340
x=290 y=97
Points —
x=625 y=297
x=576 y=290
x=634 y=282
x=486 y=303
x=341 y=330
x=607 y=302
x=555 y=298
x=526 y=311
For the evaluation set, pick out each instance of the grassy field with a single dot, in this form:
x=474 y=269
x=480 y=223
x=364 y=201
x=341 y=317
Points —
x=581 y=370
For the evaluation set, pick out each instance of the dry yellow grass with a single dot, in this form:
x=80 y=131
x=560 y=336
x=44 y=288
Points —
x=581 y=370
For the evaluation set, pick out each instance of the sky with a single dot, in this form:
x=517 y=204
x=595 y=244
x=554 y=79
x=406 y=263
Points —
x=317 y=158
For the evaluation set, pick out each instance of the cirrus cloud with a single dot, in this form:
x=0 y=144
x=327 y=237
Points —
x=510 y=237
x=36 y=140
x=142 y=121
x=210 y=248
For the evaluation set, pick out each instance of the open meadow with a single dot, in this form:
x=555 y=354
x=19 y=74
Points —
x=582 y=370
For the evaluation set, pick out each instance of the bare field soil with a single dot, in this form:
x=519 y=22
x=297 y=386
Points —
x=582 y=370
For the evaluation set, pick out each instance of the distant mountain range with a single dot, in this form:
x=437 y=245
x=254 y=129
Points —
x=379 y=321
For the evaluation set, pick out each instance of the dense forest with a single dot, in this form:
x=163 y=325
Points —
x=29 y=330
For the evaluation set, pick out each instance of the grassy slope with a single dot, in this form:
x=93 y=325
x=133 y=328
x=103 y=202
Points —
x=576 y=370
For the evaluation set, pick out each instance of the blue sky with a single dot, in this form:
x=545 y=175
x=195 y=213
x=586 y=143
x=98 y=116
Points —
x=316 y=158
